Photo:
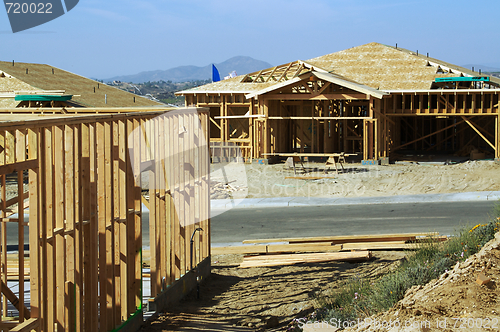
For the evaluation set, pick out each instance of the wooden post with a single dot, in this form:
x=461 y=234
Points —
x=497 y=136
x=177 y=226
x=136 y=245
x=69 y=213
x=101 y=202
x=365 y=140
x=34 y=198
x=116 y=220
x=327 y=141
x=49 y=253
x=266 y=134
x=124 y=162
x=21 y=156
x=93 y=232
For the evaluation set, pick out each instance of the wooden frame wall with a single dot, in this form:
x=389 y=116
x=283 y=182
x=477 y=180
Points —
x=85 y=214
x=179 y=198
x=379 y=129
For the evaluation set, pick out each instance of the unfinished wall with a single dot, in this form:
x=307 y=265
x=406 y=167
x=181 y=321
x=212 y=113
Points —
x=85 y=213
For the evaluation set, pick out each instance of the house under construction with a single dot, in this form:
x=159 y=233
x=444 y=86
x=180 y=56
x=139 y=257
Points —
x=374 y=100
x=32 y=87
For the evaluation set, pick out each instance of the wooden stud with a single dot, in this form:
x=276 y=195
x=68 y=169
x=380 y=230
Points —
x=69 y=217
x=90 y=192
x=34 y=194
x=116 y=221
x=154 y=245
x=124 y=161
x=101 y=194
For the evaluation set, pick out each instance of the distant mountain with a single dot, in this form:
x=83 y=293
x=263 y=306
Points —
x=484 y=69
x=241 y=64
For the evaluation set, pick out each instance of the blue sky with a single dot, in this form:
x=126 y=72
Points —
x=104 y=38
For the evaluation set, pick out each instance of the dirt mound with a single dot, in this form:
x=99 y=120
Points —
x=457 y=301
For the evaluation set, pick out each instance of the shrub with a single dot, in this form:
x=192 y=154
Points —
x=359 y=298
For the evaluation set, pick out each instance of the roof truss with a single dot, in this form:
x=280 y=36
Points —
x=318 y=85
x=280 y=73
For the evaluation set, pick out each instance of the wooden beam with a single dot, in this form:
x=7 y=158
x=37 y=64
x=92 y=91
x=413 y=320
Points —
x=325 y=86
x=308 y=88
x=336 y=239
x=14 y=300
x=424 y=137
x=27 y=326
x=478 y=132
x=215 y=123
x=318 y=118
x=14 y=200
x=384 y=116
x=277 y=248
x=303 y=247
x=272 y=73
x=386 y=245
x=283 y=75
x=297 y=73
x=253 y=249
x=291 y=259
x=316 y=96
x=258 y=75
x=18 y=166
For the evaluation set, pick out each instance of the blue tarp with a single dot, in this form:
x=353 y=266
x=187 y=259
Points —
x=215 y=74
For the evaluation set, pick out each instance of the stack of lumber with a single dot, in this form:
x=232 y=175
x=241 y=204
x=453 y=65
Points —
x=277 y=260
x=330 y=243
x=277 y=248
x=341 y=239
x=325 y=248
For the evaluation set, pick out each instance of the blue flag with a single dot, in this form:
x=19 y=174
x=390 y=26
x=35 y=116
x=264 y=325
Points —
x=215 y=74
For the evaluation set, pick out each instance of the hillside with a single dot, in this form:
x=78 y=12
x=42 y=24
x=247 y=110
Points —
x=160 y=90
x=240 y=64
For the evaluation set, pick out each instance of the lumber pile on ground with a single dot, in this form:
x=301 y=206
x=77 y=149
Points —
x=339 y=239
x=278 y=260
x=277 y=248
x=330 y=244
x=270 y=252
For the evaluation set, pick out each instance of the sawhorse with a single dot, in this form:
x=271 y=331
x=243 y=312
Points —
x=331 y=161
x=290 y=162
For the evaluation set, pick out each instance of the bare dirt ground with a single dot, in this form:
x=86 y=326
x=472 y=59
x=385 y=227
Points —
x=256 y=181
x=267 y=299
x=263 y=299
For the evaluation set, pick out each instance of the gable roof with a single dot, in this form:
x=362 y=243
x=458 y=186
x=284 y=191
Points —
x=374 y=65
x=385 y=67
x=325 y=76
x=36 y=77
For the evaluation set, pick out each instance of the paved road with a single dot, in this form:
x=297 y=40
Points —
x=444 y=217
x=274 y=222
